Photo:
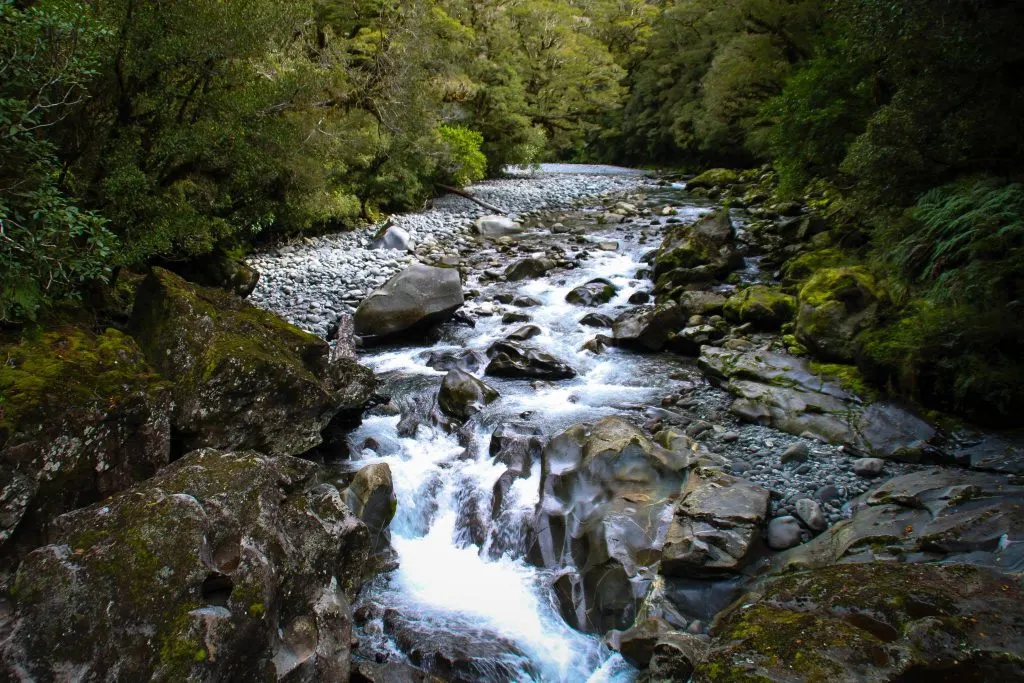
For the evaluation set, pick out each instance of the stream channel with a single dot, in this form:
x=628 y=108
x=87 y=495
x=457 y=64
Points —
x=462 y=580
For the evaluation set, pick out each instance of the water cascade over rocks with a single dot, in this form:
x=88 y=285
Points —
x=571 y=506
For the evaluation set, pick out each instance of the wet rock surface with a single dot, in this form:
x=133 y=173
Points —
x=410 y=303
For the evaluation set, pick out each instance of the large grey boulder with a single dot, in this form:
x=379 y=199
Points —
x=224 y=566
x=371 y=497
x=411 y=302
x=242 y=378
x=528 y=268
x=497 y=226
x=781 y=391
x=714 y=525
x=648 y=327
x=701 y=252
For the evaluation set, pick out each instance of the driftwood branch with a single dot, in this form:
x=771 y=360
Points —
x=463 y=193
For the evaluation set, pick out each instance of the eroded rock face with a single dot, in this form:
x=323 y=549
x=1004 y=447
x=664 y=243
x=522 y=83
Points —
x=877 y=622
x=243 y=378
x=509 y=359
x=83 y=416
x=934 y=514
x=224 y=566
x=411 y=302
x=714 y=526
x=606 y=491
x=462 y=395
x=782 y=392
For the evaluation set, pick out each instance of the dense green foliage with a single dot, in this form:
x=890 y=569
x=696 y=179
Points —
x=133 y=131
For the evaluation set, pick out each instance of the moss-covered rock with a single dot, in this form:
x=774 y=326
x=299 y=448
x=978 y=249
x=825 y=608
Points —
x=801 y=268
x=82 y=416
x=715 y=177
x=702 y=252
x=219 y=269
x=877 y=622
x=224 y=566
x=243 y=378
x=836 y=304
x=764 y=307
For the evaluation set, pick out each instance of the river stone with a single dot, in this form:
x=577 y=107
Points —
x=528 y=268
x=797 y=452
x=525 y=302
x=508 y=359
x=873 y=622
x=701 y=303
x=714 y=525
x=82 y=417
x=395 y=238
x=809 y=512
x=525 y=333
x=371 y=497
x=223 y=566
x=243 y=378
x=462 y=395
x=497 y=226
x=410 y=303
x=783 y=533
x=647 y=327
x=593 y=293
x=951 y=514
x=596 y=320
x=781 y=391
x=692 y=338
x=868 y=467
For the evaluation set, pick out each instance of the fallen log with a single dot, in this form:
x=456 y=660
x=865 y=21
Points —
x=470 y=197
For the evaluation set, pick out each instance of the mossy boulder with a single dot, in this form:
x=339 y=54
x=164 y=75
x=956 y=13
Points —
x=219 y=269
x=82 y=416
x=835 y=305
x=873 y=622
x=766 y=308
x=702 y=252
x=224 y=566
x=243 y=377
x=715 y=177
x=803 y=267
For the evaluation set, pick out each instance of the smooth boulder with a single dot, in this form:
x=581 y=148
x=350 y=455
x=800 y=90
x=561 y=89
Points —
x=242 y=377
x=594 y=293
x=411 y=302
x=462 y=395
x=509 y=359
x=648 y=327
x=395 y=238
x=497 y=226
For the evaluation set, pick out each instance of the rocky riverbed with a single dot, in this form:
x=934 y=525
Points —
x=609 y=438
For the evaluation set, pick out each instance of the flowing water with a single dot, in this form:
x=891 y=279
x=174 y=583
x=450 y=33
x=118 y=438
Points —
x=461 y=577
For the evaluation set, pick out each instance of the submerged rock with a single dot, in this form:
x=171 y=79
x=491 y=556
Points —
x=511 y=360
x=465 y=360
x=82 y=417
x=877 y=622
x=224 y=566
x=410 y=303
x=593 y=293
x=243 y=378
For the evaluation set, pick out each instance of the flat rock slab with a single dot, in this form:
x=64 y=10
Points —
x=782 y=392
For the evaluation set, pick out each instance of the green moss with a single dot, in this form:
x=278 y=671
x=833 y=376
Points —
x=765 y=307
x=849 y=377
x=832 y=284
x=179 y=649
x=714 y=177
x=257 y=609
x=50 y=369
x=804 y=266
